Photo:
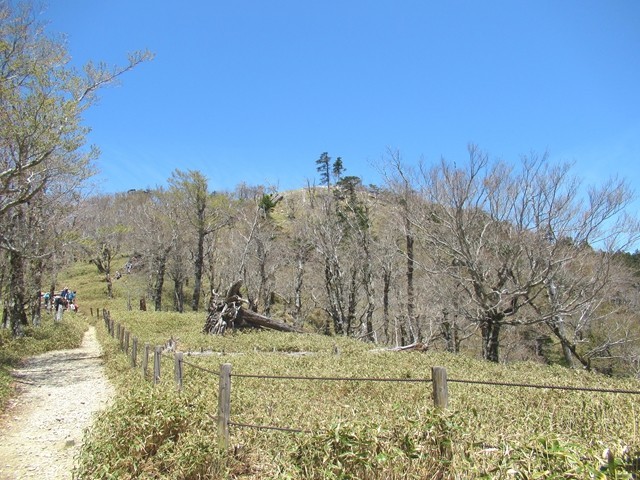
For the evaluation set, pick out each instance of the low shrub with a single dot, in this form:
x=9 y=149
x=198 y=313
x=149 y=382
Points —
x=152 y=432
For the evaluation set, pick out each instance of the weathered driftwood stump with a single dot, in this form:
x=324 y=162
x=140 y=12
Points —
x=223 y=314
x=230 y=313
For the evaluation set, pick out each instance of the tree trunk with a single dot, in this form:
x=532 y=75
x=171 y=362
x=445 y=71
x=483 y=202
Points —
x=16 y=294
x=263 y=291
x=410 y=285
x=158 y=283
x=569 y=350
x=36 y=310
x=367 y=282
x=386 y=282
x=490 y=328
x=353 y=301
x=401 y=336
x=566 y=351
x=107 y=278
x=334 y=296
x=3 y=274
x=297 y=290
x=557 y=327
x=449 y=332
x=262 y=321
x=230 y=314
x=178 y=297
x=198 y=268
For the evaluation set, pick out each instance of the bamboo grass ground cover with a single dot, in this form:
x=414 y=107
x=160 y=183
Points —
x=353 y=429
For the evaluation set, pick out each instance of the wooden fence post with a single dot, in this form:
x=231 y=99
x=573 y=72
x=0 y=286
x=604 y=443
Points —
x=156 y=364
x=126 y=341
x=117 y=336
x=178 y=369
x=91 y=309
x=145 y=360
x=111 y=327
x=440 y=388
x=224 y=405
x=134 y=352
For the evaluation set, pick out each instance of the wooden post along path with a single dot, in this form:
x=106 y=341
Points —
x=145 y=360
x=440 y=388
x=224 y=405
x=134 y=352
x=178 y=369
x=156 y=365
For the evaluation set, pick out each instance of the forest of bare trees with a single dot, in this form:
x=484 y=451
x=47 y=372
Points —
x=507 y=261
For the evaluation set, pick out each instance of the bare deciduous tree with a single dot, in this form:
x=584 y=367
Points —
x=505 y=234
x=41 y=136
x=190 y=190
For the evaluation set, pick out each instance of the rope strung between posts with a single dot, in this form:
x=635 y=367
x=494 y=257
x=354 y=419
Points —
x=198 y=367
x=549 y=387
x=439 y=385
x=407 y=380
x=262 y=427
x=423 y=380
x=334 y=379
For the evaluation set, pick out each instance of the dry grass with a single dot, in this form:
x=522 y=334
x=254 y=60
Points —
x=353 y=429
x=356 y=429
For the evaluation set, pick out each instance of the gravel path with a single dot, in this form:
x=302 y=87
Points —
x=42 y=429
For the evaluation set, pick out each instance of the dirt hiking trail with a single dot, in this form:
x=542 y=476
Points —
x=58 y=394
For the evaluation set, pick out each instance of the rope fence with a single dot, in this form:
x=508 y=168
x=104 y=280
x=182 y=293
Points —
x=546 y=387
x=438 y=379
x=202 y=369
x=334 y=379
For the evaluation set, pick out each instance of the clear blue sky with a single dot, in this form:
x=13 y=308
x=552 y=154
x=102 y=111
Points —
x=256 y=90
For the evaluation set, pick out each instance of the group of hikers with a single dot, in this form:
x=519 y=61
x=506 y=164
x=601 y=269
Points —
x=65 y=300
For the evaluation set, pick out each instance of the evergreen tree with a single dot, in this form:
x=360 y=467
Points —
x=324 y=168
x=338 y=169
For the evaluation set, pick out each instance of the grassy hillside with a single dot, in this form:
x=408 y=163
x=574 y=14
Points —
x=352 y=429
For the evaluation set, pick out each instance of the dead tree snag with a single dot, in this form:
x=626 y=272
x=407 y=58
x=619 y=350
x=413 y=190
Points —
x=229 y=313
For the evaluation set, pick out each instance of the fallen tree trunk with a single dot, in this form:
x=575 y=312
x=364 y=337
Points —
x=230 y=313
x=414 y=347
x=266 y=322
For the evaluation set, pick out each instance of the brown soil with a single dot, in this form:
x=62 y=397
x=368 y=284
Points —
x=59 y=393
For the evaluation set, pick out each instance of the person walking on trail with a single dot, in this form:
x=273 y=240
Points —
x=71 y=299
x=46 y=297
x=59 y=304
